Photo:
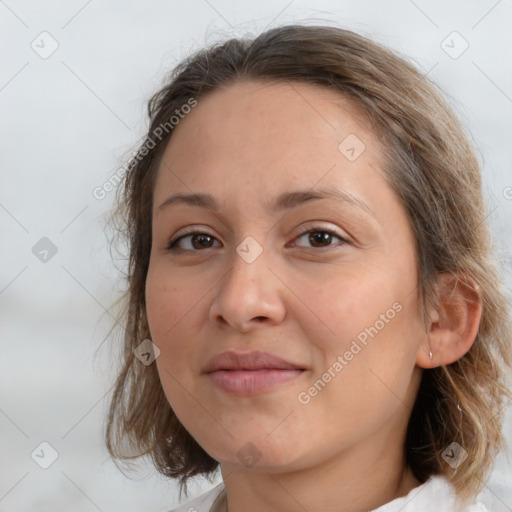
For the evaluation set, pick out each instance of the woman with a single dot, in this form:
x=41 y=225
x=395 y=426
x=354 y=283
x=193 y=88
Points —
x=312 y=301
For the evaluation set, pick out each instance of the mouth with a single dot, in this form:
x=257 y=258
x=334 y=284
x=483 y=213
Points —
x=246 y=373
x=247 y=382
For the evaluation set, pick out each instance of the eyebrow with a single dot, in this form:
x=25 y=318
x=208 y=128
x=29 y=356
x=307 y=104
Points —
x=285 y=201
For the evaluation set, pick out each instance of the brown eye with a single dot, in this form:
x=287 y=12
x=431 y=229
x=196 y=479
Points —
x=201 y=241
x=193 y=242
x=319 y=239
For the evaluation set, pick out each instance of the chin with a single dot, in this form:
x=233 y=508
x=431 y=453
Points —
x=256 y=455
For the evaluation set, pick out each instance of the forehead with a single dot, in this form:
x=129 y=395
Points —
x=279 y=133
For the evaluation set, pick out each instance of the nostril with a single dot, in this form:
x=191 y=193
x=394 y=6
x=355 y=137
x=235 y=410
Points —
x=221 y=319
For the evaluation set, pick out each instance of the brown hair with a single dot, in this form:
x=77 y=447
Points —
x=431 y=166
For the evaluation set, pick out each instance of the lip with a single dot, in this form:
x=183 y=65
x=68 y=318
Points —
x=254 y=360
x=245 y=373
x=248 y=382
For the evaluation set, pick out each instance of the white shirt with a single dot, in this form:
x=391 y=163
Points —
x=435 y=495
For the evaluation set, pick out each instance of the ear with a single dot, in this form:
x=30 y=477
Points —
x=453 y=322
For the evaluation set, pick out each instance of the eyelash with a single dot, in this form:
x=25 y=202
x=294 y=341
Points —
x=171 y=247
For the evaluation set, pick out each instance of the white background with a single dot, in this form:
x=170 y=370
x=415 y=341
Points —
x=66 y=123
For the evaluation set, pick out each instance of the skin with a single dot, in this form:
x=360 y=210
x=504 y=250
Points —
x=343 y=450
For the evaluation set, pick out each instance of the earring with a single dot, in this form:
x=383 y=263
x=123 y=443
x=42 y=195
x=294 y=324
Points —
x=430 y=354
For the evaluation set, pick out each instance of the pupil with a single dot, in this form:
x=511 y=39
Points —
x=201 y=241
x=319 y=238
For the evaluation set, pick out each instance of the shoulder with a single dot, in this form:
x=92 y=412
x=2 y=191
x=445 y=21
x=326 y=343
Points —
x=435 y=495
x=201 y=503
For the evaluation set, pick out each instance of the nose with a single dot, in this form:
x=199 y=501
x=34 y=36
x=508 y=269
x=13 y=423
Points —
x=249 y=295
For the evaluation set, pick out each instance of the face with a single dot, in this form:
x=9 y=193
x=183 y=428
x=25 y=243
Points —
x=299 y=249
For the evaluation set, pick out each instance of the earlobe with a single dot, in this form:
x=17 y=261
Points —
x=453 y=323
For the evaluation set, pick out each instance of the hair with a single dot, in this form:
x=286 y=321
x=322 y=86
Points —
x=430 y=164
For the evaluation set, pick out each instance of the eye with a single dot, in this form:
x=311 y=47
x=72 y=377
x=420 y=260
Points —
x=319 y=238
x=196 y=240
x=193 y=242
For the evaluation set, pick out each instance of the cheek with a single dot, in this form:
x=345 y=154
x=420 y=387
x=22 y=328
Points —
x=369 y=319
x=347 y=303
x=169 y=300
x=173 y=306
